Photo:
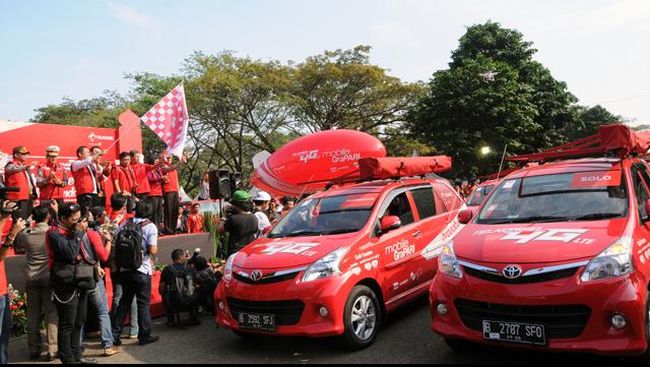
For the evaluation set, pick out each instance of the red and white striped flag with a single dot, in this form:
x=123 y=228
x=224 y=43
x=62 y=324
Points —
x=169 y=119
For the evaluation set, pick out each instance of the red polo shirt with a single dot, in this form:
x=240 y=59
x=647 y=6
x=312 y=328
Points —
x=172 y=184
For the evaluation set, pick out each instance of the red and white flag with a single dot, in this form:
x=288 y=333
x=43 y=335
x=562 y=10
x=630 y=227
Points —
x=169 y=119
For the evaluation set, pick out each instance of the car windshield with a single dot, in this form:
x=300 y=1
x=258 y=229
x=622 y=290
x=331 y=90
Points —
x=557 y=198
x=479 y=195
x=326 y=215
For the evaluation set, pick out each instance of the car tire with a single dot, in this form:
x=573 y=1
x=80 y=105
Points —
x=361 y=318
x=459 y=346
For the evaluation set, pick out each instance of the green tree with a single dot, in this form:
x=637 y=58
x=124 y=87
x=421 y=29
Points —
x=342 y=89
x=492 y=94
x=588 y=120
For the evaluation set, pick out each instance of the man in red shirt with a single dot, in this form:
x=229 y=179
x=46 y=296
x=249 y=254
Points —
x=19 y=175
x=106 y=184
x=195 y=220
x=140 y=170
x=5 y=301
x=85 y=174
x=156 y=180
x=125 y=182
x=51 y=177
x=170 y=191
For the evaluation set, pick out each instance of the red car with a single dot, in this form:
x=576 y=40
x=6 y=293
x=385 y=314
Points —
x=339 y=261
x=557 y=258
x=481 y=192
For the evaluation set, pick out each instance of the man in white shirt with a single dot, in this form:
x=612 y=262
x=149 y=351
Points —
x=261 y=200
x=138 y=282
x=85 y=172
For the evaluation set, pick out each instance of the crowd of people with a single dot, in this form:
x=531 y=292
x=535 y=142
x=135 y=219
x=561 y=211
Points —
x=70 y=247
x=466 y=187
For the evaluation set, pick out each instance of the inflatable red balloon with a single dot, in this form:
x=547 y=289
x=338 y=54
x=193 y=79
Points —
x=309 y=163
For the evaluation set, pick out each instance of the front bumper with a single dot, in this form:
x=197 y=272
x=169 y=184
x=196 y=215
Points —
x=330 y=293
x=626 y=296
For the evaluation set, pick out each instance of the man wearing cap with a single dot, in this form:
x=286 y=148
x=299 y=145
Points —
x=85 y=174
x=240 y=224
x=19 y=175
x=51 y=177
x=261 y=201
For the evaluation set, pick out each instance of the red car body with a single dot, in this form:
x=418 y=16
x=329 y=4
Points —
x=539 y=274
x=397 y=265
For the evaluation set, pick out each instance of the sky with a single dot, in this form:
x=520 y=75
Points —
x=79 y=48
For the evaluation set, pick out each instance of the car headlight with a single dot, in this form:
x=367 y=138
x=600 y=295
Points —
x=615 y=261
x=227 y=269
x=448 y=263
x=326 y=266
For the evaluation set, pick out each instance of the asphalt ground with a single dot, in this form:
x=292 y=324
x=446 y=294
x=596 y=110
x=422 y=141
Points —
x=404 y=338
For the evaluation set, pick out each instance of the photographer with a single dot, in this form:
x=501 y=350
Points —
x=73 y=266
x=19 y=175
x=241 y=224
x=5 y=302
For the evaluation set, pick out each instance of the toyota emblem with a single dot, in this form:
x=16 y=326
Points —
x=256 y=275
x=512 y=271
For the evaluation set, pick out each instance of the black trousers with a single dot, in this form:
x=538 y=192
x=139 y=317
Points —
x=86 y=201
x=138 y=285
x=158 y=209
x=71 y=306
x=24 y=209
x=171 y=212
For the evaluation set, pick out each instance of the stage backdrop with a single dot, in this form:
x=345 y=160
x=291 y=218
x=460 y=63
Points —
x=37 y=137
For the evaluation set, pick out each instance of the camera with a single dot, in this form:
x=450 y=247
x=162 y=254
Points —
x=5 y=189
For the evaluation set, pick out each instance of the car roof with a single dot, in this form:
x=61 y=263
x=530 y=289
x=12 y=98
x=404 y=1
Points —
x=375 y=186
x=569 y=166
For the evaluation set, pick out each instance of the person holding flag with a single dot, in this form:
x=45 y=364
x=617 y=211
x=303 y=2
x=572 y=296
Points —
x=168 y=119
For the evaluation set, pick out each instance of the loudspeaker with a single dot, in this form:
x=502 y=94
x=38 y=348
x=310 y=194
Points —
x=220 y=184
x=235 y=181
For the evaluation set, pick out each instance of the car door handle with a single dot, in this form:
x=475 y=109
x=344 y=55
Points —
x=417 y=234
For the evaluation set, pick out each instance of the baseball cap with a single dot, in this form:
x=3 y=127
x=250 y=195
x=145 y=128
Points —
x=262 y=196
x=20 y=149
x=52 y=151
x=241 y=195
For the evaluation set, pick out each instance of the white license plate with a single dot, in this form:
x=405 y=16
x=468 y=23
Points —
x=514 y=332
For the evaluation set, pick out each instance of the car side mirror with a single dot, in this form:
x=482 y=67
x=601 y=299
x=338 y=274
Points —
x=647 y=210
x=465 y=215
x=389 y=223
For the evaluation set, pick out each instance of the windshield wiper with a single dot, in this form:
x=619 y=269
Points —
x=536 y=219
x=301 y=232
x=342 y=230
x=596 y=216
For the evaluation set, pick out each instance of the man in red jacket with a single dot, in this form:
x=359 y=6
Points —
x=125 y=182
x=85 y=174
x=51 y=177
x=19 y=175
x=156 y=179
x=170 y=190
x=140 y=169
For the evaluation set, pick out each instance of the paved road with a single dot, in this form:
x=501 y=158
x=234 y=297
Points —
x=405 y=338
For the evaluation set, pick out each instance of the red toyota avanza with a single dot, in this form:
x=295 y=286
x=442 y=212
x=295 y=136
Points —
x=340 y=260
x=557 y=258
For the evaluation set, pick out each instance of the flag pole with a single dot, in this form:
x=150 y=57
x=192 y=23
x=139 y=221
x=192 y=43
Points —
x=503 y=157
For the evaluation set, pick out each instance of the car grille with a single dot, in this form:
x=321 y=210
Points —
x=561 y=322
x=286 y=312
x=545 y=277
x=265 y=280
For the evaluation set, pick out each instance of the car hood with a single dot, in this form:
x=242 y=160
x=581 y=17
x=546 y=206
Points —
x=537 y=242
x=290 y=252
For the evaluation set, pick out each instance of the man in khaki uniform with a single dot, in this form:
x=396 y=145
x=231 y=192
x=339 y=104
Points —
x=37 y=275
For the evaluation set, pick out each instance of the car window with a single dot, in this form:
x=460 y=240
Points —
x=592 y=195
x=424 y=202
x=399 y=206
x=448 y=197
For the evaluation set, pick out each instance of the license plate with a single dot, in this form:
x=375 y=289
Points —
x=257 y=321
x=514 y=332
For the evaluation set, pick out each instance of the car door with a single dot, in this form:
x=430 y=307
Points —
x=396 y=247
x=433 y=219
x=641 y=185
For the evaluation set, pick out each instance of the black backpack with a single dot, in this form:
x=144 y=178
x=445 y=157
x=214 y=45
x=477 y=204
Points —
x=129 y=252
x=181 y=289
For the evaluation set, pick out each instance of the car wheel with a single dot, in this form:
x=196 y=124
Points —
x=459 y=346
x=361 y=318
